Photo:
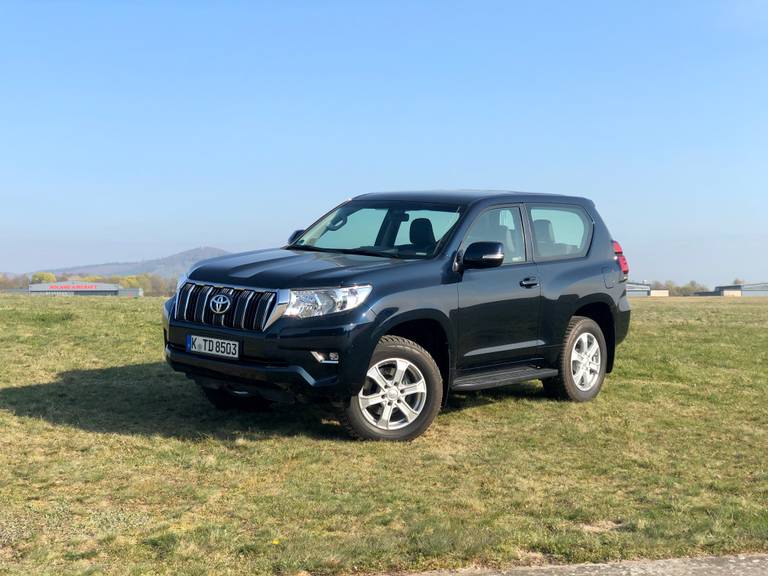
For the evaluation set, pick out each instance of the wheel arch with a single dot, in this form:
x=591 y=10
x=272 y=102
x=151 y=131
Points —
x=429 y=329
x=601 y=313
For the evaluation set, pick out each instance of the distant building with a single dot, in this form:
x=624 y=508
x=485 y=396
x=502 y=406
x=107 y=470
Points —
x=636 y=289
x=738 y=290
x=760 y=289
x=76 y=288
x=641 y=289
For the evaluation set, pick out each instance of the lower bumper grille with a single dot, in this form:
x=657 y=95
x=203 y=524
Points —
x=248 y=309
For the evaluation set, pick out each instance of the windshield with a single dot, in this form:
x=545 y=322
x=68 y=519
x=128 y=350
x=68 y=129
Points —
x=394 y=229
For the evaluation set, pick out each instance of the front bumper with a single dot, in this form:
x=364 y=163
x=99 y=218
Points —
x=281 y=356
x=244 y=371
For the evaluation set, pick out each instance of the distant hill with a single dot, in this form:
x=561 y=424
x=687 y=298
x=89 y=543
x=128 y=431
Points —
x=169 y=267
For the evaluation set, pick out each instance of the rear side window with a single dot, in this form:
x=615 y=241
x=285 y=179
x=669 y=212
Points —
x=560 y=232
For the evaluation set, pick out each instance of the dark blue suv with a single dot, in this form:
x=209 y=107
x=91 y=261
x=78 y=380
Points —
x=392 y=300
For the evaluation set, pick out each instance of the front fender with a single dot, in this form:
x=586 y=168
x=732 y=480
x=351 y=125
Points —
x=387 y=321
x=394 y=319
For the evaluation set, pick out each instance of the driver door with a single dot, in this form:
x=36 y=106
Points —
x=499 y=307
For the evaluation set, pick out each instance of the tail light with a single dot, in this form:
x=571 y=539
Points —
x=618 y=255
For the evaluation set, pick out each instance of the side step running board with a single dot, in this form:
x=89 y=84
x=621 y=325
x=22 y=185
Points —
x=503 y=377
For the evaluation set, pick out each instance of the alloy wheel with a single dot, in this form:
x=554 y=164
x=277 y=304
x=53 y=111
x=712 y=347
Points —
x=585 y=361
x=394 y=394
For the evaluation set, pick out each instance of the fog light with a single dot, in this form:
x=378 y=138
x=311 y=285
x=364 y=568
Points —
x=326 y=357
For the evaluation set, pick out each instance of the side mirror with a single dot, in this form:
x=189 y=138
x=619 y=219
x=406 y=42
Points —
x=295 y=236
x=483 y=255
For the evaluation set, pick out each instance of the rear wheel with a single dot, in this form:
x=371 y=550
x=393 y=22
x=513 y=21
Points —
x=582 y=362
x=401 y=395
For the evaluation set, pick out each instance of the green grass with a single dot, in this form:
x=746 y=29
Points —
x=110 y=463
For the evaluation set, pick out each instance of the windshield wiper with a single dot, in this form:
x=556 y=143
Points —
x=361 y=251
x=364 y=252
x=310 y=248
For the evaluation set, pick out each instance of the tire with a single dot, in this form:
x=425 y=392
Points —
x=221 y=397
x=401 y=396
x=576 y=382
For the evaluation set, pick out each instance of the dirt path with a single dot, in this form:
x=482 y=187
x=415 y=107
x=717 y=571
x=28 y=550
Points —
x=747 y=565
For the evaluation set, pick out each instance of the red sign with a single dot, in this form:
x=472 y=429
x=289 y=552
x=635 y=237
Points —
x=72 y=287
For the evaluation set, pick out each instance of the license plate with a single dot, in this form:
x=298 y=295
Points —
x=212 y=346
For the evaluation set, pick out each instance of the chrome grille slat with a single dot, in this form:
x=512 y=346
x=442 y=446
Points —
x=208 y=316
x=262 y=310
x=183 y=295
x=206 y=311
x=220 y=318
x=202 y=304
x=228 y=318
x=195 y=296
x=241 y=314
x=249 y=309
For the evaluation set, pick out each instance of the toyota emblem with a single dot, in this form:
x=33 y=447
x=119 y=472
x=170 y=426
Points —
x=220 y=304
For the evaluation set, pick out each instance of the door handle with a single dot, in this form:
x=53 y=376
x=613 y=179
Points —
x=529 y=282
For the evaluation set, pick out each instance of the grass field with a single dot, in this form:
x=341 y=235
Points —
x=110 y=463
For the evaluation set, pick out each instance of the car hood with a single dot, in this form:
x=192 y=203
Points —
x=284 y=268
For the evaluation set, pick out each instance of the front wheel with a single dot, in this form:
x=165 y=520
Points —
x=401 y=395
x=582 y=363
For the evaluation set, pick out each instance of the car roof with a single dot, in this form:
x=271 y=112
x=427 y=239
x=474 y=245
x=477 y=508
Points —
x=467 y=197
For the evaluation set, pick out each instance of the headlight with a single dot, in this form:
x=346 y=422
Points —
x=311 y=303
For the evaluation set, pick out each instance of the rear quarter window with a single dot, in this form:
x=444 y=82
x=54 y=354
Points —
x=560 y=232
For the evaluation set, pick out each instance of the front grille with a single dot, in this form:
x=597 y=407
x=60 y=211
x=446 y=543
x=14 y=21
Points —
x=249 y=309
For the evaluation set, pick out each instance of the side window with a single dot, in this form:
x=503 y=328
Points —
x=560 y=232
x=500 y=225
x=360 y=228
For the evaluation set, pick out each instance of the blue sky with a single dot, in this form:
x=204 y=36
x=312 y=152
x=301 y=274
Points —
x=134 y=130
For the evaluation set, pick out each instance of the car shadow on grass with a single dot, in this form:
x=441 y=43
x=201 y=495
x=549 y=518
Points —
x=149 y=399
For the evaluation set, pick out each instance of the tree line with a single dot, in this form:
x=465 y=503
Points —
x=152 y=284
x=688 y=289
